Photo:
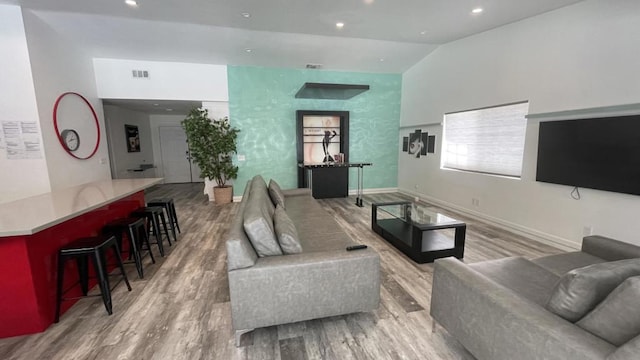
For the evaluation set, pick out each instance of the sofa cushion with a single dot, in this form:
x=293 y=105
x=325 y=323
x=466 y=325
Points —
x=258 y=223
x=580 y=290
x=617 y=318
x=277 y=197
x=240 y=252
x=286 y=232
x=521 y=276
x=561 y=264
x=259 y=186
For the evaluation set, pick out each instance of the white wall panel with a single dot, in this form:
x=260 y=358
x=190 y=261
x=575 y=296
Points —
x=581 y=56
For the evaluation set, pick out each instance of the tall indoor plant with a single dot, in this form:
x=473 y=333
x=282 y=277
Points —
x=211 y=145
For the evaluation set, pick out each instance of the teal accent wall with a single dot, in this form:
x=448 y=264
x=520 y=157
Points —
x=263 y=106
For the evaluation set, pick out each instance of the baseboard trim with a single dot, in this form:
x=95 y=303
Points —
x=351 y=192
x=543 y=237
x=374 y=191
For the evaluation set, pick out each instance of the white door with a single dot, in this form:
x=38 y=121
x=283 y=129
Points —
x=174 y=150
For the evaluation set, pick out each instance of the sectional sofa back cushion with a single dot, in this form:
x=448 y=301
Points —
x=617 y=318
x=286 y=232
x=580 y=290
x=240 y=252
x=259 y=185
x=258 y=220
x=277 y=197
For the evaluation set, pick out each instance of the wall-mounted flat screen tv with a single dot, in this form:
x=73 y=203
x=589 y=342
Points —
x=597 y=153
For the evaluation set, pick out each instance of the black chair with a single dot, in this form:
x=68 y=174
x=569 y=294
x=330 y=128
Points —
x=172 y=216
x=155 y=216
x=136 y=233
x=82 y=250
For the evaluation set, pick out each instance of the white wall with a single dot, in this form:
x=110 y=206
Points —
x=167 y=80
x=26 y=177
x=58 y=66
x=121 y=160
x=581 y=56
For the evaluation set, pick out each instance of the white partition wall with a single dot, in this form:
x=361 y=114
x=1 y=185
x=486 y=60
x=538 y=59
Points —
x=19 y=177
x=156 y=80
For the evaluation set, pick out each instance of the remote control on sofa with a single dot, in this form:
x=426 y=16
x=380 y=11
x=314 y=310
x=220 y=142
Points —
x=356 y=247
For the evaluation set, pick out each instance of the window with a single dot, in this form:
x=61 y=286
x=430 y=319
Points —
x=489 y=140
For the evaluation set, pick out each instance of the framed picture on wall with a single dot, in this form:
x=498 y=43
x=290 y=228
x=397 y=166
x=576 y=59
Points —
x=133 y=138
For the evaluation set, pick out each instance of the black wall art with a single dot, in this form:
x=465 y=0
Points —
x=133 y=138
x=419 y=143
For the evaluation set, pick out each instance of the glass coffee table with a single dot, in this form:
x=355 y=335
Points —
x=414 y=230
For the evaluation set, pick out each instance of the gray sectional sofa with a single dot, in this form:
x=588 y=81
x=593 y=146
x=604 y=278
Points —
x=578 y=305
x=291 y=281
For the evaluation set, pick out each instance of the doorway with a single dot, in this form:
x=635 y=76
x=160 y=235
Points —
x=176 y=160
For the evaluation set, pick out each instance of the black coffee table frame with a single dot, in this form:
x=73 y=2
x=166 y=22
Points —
x=420 y=241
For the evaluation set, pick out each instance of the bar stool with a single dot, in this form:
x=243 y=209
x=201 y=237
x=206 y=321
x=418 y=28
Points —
x=137 y=236
x=172 y=216
x=155 y=215
x=81 y=250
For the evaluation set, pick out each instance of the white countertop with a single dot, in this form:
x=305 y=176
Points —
x=29 y=215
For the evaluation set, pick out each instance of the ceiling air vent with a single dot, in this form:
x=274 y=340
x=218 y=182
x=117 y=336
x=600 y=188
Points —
x=314 y=66
x=140 y=74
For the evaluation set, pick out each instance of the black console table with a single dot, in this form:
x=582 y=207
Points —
x=330 y=180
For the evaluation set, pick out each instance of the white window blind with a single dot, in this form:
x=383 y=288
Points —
x=489 y=140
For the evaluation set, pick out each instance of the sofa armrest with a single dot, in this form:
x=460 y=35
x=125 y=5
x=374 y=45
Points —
x=290 y=288
x=609 y=249
x=493 y=322
x=297 y=192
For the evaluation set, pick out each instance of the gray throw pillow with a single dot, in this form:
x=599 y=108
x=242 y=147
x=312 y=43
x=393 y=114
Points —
x=258 y=225
x=276 y=193
x=286 y=232
x=580 y=290
x=617 y=318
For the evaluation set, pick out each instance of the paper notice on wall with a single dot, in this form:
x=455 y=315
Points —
x=21 y=140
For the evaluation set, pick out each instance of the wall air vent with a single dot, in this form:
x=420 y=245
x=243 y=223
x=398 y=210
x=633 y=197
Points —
x=140 y=74
x=330 y=91
x=314 y=66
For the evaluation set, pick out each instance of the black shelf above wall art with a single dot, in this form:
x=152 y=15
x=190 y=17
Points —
x=330 y=91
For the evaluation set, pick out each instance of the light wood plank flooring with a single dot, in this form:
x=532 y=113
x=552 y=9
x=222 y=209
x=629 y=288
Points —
x=181 y=309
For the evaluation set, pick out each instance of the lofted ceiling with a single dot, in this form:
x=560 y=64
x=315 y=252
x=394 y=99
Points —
x=378 y=35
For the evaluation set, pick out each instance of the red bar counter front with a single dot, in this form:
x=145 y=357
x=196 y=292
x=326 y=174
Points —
x=28 y=262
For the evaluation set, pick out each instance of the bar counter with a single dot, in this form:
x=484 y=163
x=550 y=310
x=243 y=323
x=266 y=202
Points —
x=31 y=232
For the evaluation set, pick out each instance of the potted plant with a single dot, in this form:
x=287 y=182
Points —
x=211 y=145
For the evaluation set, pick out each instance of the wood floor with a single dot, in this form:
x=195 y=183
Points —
x=181 y=309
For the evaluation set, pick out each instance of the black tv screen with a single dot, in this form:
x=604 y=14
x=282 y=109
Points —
x=598 y=153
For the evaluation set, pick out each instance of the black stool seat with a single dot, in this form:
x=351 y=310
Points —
x=81 y=250
x=155 y=215
x=172 y=216
x=137 y=236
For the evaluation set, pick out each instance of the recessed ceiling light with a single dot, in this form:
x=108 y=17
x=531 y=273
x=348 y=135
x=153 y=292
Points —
x=422 y=32
x=477 y=10
x=155 y=104
x=248 y=50
x=131 y=2
x=169 y=109
x=381 y=59
x=246 y=15
x=339 y=25
x=369 y=2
